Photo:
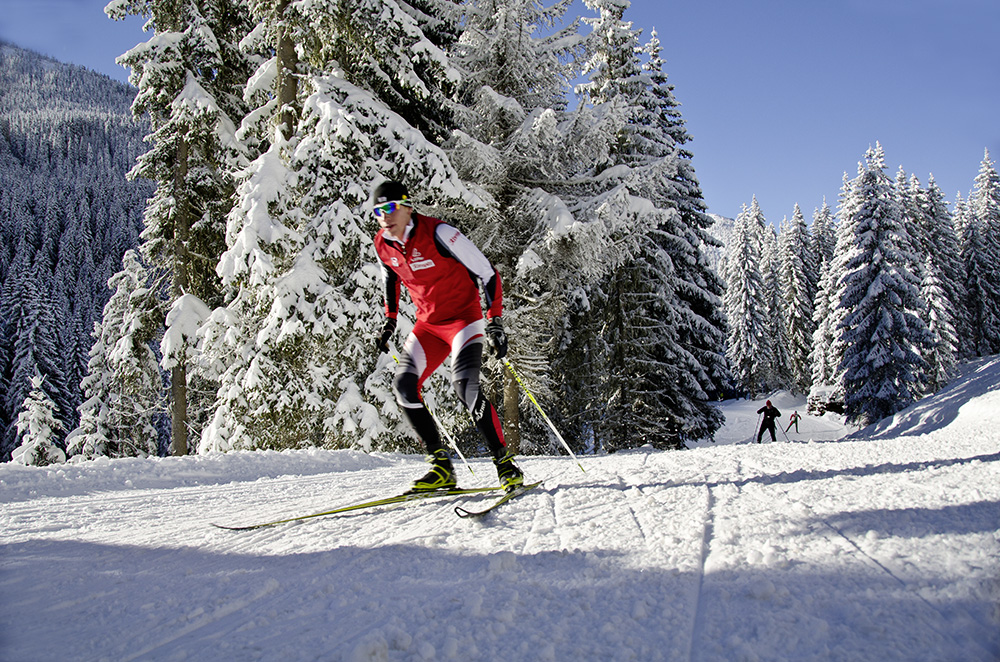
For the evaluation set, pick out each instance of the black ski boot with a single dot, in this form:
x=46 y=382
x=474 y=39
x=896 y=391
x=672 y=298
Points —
x=440 y=477
x=510 y=476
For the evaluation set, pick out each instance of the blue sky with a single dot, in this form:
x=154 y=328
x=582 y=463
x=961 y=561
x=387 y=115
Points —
x=781 y=97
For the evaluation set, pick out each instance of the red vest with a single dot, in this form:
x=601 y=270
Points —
x=442 y=283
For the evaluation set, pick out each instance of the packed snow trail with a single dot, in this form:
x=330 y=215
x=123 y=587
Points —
x=883 y=549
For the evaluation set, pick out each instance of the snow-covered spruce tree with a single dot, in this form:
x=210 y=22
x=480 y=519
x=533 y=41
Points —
x=911 y=217
x=511 y=72
x=188 y=76
x=698 y=356
x=292 y=346
x=38 y=428
x=938 y=315
x=30 y=341
x=633 y=179
x=747 y=344
x=981 y=254
x=942 y=250
x=824 y=235
x=798 y=292
x=974 y=265
x=882 y=331
x=827 y=391
x=125 y=404
x=779 y=369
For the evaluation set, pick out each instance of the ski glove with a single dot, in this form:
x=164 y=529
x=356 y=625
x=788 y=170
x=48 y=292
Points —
x=385 y=335
x=496 y=337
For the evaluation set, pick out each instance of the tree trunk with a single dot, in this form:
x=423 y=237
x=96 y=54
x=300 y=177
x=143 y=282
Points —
x=182 y=223
x=511 y=414
x=288 y=82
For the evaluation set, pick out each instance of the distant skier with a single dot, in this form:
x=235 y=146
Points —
x=771 y=414
x=443 y=272
x=793 y=420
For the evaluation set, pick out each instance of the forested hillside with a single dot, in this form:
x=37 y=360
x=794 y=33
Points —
x=244 y=318
x=67 y=215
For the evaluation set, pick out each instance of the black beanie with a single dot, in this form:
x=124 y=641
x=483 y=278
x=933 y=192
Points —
x=389 y=191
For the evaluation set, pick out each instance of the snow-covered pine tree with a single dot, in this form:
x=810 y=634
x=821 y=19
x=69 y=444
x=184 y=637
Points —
x=974 y=265
x=30 y=333
x=515 y=64
x=187 y=77
x=292 y=346
x=779 y=369
x=38 y=428
x=698 y=356
x=938 y=315
x=826 y=389
x=824 y=235
x=944 y=251
x=882 y=331
x=798 y=292
x=632 y=179
x=981 y=253
x=124 y=408
x=747 y=345
x=911 y=217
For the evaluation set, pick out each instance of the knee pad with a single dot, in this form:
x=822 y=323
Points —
x=465 y=374
x=407 y=390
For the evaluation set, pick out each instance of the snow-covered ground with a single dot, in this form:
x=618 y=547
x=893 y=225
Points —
x=818 y=547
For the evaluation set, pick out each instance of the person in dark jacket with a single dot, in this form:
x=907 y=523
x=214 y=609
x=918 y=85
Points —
x=771 y=414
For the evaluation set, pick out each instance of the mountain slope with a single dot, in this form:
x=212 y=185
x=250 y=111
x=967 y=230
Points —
x=67 y=215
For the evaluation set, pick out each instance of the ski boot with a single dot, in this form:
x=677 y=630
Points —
x=510 y=476
x=440 y=477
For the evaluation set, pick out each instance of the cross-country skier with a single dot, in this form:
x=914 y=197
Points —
x=770 y=414
x=443 y=272
x=793 y=420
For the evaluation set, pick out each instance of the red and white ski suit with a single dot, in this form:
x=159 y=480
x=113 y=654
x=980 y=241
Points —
x=443 y=272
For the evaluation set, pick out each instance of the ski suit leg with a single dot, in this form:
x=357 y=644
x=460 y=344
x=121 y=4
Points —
x=766 y=426
x=466 y=365
x=422 y=353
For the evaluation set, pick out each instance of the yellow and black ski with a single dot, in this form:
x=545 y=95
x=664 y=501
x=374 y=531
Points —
x=516 y=492
x=400 y=498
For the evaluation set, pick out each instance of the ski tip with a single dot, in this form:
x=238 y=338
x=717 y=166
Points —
x=232 y=528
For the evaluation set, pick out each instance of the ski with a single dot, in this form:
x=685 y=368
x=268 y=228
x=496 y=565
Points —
x=399 y=498
x=516 y=492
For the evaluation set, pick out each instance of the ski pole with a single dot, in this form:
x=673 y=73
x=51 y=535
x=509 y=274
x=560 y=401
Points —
x=756 y=429
x=441 y=427
x=784 y=432
x=542 y=412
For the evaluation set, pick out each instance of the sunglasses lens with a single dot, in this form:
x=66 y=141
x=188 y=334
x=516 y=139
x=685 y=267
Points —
x=387 y=208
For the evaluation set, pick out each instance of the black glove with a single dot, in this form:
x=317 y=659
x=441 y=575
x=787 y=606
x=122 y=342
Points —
x=496 y=337
x=383 y=337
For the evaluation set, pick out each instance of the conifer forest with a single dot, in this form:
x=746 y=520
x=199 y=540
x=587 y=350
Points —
x=187 y=261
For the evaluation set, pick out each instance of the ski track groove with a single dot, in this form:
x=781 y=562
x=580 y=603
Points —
x=706 y=542
x=867 y=558
x=534 y=537
x=873 y=561
x=629 y=500
x=235 y=606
